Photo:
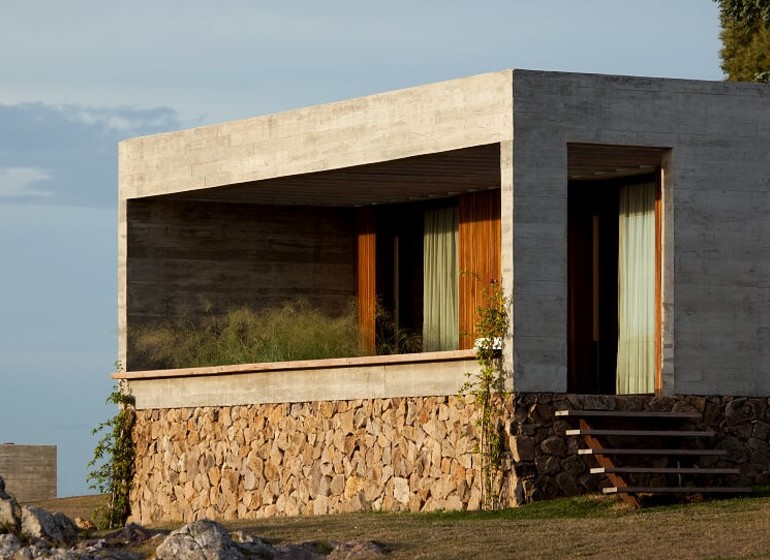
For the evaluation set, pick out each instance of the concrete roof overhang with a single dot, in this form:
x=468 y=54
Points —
x=422 y=177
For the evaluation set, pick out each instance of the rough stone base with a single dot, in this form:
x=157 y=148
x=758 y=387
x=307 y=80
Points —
x=400 y=454
x=411 y=454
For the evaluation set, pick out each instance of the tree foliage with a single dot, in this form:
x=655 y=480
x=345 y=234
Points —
x=745 y=40
x=745 y=12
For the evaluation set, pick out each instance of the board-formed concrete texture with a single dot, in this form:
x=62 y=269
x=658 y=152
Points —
x=713 y=144
x=29 y=471
x=368 y=377
x=716 y=274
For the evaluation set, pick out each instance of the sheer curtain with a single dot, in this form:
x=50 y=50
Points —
x=636 y=290
x=441 y=330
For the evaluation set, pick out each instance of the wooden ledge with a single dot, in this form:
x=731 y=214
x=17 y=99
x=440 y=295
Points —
x=358 y=361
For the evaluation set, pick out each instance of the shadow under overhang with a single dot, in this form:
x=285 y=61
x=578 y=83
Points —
x=424 y=177
x=592 y=162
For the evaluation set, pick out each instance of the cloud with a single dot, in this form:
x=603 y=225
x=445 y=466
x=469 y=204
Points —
x=20 y=181
x=67 y=155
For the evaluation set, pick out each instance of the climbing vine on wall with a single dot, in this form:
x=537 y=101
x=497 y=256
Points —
x=487 y=386
x=111 y=471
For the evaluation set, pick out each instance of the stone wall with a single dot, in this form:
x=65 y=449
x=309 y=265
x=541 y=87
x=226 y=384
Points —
x=545 y=464
x=305 y=458
x=397 y=454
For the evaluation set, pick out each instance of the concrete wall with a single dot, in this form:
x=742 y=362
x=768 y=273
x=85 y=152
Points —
x=716 y=232
x=716 y=280
x=29 y=471
x=439 y=117
x=433 y=118
x=230 y=255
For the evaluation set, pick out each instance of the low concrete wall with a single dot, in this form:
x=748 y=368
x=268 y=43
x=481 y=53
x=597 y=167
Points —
x=395 y=454
x=335 y=379
x=29 y=471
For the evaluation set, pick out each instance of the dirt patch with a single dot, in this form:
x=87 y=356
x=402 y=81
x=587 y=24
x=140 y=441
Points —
x=76 y=506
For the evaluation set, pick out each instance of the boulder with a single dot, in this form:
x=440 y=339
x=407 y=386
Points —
x=199 y=540
x=10 y=513
x=55 y=527
x=9 y=545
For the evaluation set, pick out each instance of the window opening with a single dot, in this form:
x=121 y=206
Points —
x=419 y=299
x=613 y=279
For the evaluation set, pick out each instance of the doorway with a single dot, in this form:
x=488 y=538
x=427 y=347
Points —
x=614 y=279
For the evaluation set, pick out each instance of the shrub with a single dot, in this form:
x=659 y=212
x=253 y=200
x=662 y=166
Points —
x=112 y=467
x=293 y=331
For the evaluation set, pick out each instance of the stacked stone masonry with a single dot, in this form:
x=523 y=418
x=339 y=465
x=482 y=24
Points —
x=398 y=454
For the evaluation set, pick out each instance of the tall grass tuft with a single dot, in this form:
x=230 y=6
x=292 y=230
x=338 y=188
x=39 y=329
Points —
x=294 y=331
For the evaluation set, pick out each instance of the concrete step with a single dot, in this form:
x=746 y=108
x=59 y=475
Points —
x=677 y=490
x=641 y=433
x=628 y=414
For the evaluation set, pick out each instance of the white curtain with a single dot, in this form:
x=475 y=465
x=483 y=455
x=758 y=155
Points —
x=441 y=326
x=636 y=290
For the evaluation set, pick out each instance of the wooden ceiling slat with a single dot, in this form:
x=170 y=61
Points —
x=597 y=161
x=415 y=178
x=422 y=177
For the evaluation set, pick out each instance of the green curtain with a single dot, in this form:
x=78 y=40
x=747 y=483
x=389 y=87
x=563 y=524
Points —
x=636 y=290
x=441 y=327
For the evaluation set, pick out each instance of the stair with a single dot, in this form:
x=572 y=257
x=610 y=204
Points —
x=636 y=450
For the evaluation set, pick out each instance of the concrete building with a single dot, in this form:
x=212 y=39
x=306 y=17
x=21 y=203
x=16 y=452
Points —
x=29 y=471
x=559 y=184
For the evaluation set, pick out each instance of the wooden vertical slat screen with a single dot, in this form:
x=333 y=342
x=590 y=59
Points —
x=365 y=276
x=479 y=255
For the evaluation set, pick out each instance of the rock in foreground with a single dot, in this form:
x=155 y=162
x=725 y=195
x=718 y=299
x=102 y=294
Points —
x=29 y=533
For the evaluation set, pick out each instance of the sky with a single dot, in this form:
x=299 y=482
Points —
x=78 y=76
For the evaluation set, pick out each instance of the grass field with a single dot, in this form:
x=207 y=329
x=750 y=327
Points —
x=585 y=527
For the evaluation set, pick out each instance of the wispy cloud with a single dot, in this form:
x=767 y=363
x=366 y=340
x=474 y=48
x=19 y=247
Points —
x=67 y=155
x=22 y=182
